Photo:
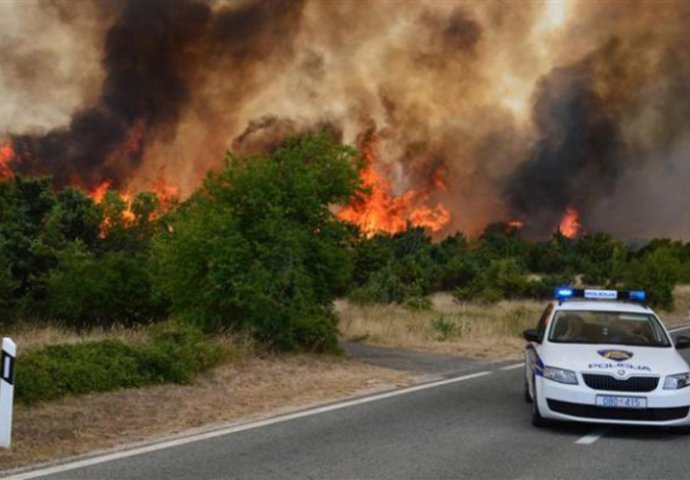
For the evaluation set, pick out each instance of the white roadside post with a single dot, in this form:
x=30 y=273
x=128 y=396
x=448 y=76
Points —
x=9 y=353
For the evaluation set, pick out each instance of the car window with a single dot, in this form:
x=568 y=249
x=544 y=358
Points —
x=541 y=326
x=620 y=328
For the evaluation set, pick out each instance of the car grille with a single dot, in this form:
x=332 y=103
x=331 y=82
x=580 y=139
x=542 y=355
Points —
x=642 y=414
x=632 y=384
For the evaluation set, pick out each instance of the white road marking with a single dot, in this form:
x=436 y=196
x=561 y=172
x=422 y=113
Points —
x=511 y=367
x=592 y=436
x=236 y=428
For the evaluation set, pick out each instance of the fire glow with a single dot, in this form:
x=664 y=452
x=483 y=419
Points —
x=6 y=155
x=570 y=224
x=166 y=194
x=379 y=210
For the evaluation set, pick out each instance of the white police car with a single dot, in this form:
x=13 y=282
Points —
x=602 y=356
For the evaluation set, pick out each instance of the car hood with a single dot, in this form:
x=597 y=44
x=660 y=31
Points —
x=618 y=360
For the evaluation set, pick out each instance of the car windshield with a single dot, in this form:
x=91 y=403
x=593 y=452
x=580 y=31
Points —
x=620 y=328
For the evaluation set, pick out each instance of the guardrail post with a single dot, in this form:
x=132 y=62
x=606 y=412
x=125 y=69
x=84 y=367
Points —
x=9 y=353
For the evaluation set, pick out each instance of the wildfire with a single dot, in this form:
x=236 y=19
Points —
x=6 y=154
x=98 y=193
x=167 y=193
x=570 y=224
x=127 y=214
x=381 y=211
x=134 y=143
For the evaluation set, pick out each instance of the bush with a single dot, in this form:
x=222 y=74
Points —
x=478 y=292
x=446 y=329
x=502 y=279
x=383 y=286
x=544 y=287
x=115 y=288
x=174 y=354
x=459 y=272
x=418 y=303
x=657 y=273
x=178 y=351
x=259 y=250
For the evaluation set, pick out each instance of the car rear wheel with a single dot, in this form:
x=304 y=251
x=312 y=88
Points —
x=537 y=419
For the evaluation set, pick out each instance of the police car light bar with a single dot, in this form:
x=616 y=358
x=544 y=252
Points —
x=566 y=293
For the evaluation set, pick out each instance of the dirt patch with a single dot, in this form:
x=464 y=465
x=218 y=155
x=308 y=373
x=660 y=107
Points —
x=247 y=389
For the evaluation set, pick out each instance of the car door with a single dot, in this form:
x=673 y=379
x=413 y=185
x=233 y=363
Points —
x=532 y=349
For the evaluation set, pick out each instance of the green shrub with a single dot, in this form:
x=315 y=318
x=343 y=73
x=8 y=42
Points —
x=178 y=351
x=458 y=272
x=657 y=273
x=383 y=286
x=259 y=250
x=58 y=370
x=87 y=290
x=174 y=354
x=543 y=289
x=446 y=329
x=417 y=303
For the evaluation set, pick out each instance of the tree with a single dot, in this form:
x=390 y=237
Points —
x=74 y=217
x=602 y=259
x=24 y=205
x=657 y=273
x=258 y=249
x=114 y=288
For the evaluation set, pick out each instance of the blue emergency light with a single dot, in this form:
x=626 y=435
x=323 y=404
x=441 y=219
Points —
x=563 y=293
x=566 y=293
x=637 y=296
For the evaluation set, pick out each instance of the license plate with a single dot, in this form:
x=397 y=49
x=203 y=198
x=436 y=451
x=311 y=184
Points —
x=614 y=401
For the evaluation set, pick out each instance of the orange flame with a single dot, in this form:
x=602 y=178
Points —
x=516 y=224
x=167 y=193
x=6 y=155
x=98 y=193
x=433 y=219
x=127 y=214
x=381 y=211
x=570 y=224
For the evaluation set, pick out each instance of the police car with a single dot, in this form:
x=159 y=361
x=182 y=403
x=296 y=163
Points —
x=602 y=356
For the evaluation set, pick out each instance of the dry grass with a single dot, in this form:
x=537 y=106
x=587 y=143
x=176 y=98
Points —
x=247 y=389
x=478 y=331
x=680 y=313
x=29 y=335
x=469 y=329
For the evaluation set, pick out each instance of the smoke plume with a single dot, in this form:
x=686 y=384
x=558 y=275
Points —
x=493 y=110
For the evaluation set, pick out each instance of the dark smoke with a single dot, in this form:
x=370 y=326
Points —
x=611 y=129
x=578 y=155
x=152 y=53
x=519 y=112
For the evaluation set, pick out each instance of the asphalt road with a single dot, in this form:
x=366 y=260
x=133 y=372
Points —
x=476 y=427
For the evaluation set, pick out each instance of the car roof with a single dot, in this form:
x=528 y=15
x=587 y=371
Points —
x=602 y=306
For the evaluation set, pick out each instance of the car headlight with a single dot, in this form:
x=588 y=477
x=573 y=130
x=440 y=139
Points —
x=560 y=375
x=674 y=382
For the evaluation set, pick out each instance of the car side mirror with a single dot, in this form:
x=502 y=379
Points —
x=532 y=335
x=682 y=342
